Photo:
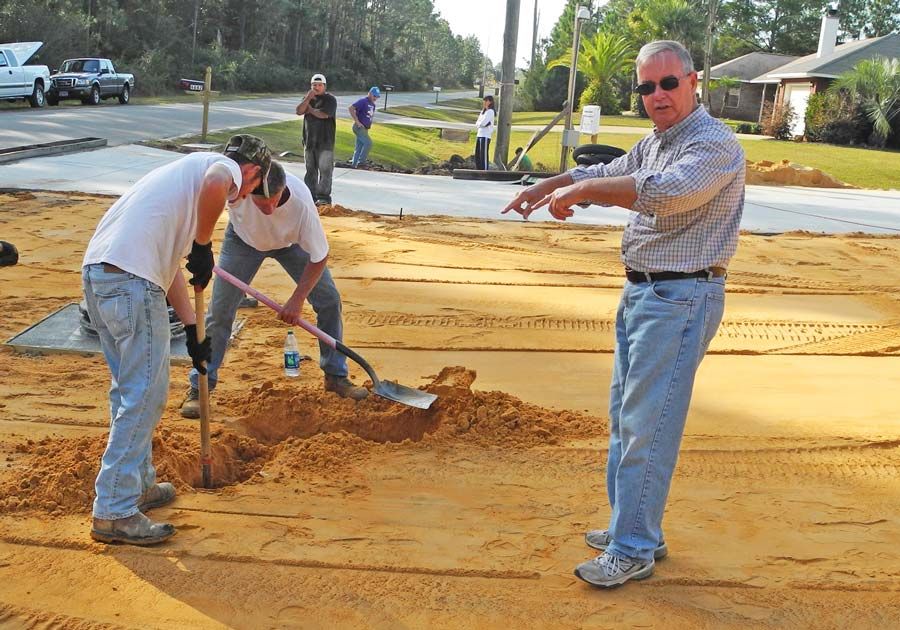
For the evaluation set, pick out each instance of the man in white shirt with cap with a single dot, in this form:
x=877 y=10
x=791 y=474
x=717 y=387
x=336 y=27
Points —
x=283 y=225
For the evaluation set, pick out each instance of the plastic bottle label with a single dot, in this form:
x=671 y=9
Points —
x=291 y=360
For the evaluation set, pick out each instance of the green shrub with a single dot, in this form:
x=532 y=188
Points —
x=637 y=106
x=603 y=95
x=832 y=118
x=777 y=121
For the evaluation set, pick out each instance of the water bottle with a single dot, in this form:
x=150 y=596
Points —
x=291 y=356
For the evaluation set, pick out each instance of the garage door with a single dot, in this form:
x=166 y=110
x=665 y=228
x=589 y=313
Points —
x=798 y=97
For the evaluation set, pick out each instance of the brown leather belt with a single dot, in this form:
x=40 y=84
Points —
x=111 y=268
x=637 y=277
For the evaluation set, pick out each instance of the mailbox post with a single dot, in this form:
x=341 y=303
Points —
x=202 y=89
x=386 y=88
x=437 y=92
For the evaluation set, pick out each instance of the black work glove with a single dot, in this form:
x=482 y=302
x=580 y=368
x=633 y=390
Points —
x=199 y=351
x=200 y=264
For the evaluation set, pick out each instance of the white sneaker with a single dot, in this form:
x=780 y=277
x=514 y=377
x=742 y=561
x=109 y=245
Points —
x=600 y=539
x=607 y=571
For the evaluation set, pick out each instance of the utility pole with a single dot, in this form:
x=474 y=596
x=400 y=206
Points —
x=707 y=53
x=507 y=83
x=570 y=136
x=534 y=34
x=196 y=17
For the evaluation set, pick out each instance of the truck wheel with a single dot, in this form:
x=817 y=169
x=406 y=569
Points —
x=125 y=96
x=37 y=97
x=94 y=97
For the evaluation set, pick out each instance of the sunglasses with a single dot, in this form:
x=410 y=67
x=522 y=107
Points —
x=649 y=87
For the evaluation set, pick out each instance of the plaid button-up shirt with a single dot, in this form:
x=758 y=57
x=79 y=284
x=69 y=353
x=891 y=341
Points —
x=690 y=187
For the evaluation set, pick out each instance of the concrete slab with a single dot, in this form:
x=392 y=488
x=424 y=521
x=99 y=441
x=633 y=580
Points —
x=768 y=209
x=61 y=333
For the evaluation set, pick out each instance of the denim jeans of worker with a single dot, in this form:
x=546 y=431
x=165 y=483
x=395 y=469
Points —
x=363 y=145
x=132 y=320
x=662 y=332
x=243 y=261
x=319 y=172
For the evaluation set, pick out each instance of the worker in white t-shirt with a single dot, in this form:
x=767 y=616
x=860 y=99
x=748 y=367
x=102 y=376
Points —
x=284 y=226
x=132 y=263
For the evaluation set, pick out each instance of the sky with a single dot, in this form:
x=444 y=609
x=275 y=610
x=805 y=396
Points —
x=486 y=19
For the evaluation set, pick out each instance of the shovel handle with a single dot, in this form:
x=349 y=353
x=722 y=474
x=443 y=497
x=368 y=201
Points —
x=203 y=390
x=275 y=306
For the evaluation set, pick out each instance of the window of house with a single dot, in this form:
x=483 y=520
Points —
x=734 y=97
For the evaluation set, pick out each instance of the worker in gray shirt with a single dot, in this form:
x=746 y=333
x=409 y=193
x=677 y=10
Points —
x=684 y=185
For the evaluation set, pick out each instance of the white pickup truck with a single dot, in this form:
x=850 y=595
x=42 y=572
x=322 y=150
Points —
x=18 y=80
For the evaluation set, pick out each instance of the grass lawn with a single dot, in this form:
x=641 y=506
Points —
x=409 y=148
x=519 y=118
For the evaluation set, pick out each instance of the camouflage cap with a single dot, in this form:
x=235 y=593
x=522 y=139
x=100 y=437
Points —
x=254 y=150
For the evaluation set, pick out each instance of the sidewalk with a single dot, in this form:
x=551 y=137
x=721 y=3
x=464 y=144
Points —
x=768 y=209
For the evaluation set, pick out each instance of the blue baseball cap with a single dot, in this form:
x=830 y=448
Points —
x=374 y=91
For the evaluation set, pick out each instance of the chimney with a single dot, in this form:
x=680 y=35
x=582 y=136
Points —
x=828 y=34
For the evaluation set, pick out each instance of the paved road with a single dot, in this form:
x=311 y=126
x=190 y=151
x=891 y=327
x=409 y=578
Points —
x=121 y=124
x=768 y=209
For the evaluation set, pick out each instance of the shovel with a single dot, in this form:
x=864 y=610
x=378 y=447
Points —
x=385 y=389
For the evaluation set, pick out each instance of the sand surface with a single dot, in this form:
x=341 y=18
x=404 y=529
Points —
x=783 y=513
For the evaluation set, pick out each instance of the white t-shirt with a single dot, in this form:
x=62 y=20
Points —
x=485 y=124
x=152 y=227
x=295 y=222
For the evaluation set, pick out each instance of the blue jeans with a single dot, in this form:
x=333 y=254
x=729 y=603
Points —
x=243 y=261
x=132 y=319
x=662 y=332
x=363 y=145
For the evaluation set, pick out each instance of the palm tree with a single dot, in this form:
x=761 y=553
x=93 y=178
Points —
x=601 y=58
x=680 y=20
x=875 y=85
x=725 y=83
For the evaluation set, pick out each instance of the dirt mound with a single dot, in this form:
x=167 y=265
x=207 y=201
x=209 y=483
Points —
x=786 y=173
x=291 y=432
x=337 y=210
x=273 y=414
x=58 y=475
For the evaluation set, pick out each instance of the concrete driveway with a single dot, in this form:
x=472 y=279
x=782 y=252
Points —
x=768 y=209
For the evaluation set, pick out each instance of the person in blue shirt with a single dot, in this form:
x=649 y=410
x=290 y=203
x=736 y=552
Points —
x=362 y=112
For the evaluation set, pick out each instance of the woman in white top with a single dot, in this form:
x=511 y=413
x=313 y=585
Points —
x=484 y=128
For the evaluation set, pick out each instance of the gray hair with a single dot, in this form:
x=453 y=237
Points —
x=666 y=46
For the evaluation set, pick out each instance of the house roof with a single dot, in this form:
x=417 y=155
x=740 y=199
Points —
x=842 y=59
x=749 y=66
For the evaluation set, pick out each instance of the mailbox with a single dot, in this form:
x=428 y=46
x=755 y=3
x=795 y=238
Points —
x=191 y=85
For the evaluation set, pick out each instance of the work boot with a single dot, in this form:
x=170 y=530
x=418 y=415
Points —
x=607 y=570
x=133 y=530
x=600 y=539
x=344 y=387
x=159 y=495
x=190 y=408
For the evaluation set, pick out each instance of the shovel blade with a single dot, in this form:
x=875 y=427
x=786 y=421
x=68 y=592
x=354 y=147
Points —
x=405 y=395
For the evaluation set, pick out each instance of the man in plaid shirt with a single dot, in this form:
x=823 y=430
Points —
x=684 y=185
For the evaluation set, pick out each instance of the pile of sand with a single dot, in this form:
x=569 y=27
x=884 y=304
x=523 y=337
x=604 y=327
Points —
x=786 y=173
x=337 y=210
x=287 y=431
x=275 y=412
x=59 y=474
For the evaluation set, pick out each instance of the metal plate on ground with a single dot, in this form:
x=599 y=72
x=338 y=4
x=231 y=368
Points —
x=61 y=333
